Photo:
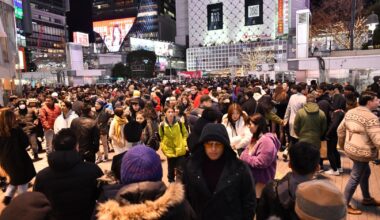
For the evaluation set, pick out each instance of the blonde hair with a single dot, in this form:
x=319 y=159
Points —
x=7 y=122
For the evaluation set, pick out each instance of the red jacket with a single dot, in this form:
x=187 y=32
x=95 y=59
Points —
x=47 y=116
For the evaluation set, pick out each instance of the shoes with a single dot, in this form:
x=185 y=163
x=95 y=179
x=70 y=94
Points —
x=370 y=202
x=7 y=200
x=353 y=211
x=341 y=170
x=36 y=158
x=332 y=172
x=99 y=160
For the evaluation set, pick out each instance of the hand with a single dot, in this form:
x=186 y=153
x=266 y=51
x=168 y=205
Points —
x=284 y=122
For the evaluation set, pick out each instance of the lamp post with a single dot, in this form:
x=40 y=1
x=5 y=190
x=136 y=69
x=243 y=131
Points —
x=352 y=26
x=371 y=22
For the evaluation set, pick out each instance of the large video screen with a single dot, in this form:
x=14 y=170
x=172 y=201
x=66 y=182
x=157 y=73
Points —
x=114 y=31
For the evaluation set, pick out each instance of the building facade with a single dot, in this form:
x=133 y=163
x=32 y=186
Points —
x=122 y=19
x=46 y=45
x=222 y=32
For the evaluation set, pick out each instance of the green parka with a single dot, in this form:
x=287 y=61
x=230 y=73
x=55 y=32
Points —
x=310 y=124
x=173 y=139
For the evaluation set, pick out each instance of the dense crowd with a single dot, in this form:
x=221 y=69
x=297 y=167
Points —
x=221 y=138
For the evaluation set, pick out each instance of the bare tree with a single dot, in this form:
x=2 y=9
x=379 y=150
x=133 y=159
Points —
x=332 y=18
x=255 y=57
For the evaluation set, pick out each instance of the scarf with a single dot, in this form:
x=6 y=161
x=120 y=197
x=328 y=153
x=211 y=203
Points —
x=117 y=126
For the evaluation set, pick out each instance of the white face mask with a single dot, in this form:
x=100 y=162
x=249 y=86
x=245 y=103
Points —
x=22 y=106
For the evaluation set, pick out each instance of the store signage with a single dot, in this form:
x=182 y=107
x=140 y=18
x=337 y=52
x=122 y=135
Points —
x=253 y=12
x=280 y=22
x=114 y=31
x=215 y=16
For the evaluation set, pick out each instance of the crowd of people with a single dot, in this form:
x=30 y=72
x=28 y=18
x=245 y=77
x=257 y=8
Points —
x=221 y=138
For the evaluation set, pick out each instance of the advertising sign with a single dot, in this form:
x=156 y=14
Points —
x=158 y=47
x=18 y=9
x=114 y=31
x=190 y=74
x=280 y=24
x=81 y=38
x=215 y=16
x=253 y=12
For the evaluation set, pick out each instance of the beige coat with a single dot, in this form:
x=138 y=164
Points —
x=359 y=134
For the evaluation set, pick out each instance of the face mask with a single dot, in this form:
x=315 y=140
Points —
x=22 y=106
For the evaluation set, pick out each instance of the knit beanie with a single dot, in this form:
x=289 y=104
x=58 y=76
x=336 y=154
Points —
x=28 y=206
x=139 y=164
x=101 y=101
x=132 y=131
x=320 y=199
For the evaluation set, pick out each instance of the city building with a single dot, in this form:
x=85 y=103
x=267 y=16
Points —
x=46 y=45
x=117 y=20
x=8 y=48
x=222 y=32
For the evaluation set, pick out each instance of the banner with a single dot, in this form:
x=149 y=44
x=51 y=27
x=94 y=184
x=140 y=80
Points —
x=253 y=12
x=215 y=16
x=280 y=24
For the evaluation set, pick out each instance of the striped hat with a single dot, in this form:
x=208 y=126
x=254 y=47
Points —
x=320 y=199
x=139 y=164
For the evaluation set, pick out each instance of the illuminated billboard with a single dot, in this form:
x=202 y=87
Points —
x=81 y=38
x=158 y=47
x=18 y=9
x=114 y=31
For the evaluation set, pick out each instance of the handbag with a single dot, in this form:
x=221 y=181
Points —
x=323 y=149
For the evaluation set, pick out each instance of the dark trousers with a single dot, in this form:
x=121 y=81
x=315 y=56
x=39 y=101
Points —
x=333 y=154
x=175 y=167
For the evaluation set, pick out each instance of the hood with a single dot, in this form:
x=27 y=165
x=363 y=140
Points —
x=216 y=132
x=148 y=209
x=275 y=140
x=63 y=160
x=311 y=108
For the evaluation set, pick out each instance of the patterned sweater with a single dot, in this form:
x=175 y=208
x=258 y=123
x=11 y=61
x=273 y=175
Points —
x=359 y=134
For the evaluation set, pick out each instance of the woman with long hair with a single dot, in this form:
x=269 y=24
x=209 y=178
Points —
x=149 y=134
x=237 y=129
x=14 y=159
x=261 y=153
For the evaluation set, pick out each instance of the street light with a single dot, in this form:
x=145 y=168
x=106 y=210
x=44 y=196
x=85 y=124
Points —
x=372 y=21
x=170 y=52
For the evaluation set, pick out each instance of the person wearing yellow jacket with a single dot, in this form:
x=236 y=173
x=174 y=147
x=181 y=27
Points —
x=173 y=135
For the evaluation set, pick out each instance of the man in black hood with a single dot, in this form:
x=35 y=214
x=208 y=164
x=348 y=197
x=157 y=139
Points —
x=218 y=185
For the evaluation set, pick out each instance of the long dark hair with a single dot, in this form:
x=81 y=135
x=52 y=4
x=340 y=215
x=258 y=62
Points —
x=7 y=122
x=260 y=121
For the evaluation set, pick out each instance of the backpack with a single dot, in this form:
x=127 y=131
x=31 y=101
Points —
x=162 y=124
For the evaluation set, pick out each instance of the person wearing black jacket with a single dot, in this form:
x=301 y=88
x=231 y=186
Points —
x=69 y=183
x=279 y=196
x=87 y=133
x=218 y=185
x=249 y=106
x=209 y=115
x=14 y=159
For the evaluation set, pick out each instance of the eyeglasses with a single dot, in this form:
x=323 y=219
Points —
x=211 y=144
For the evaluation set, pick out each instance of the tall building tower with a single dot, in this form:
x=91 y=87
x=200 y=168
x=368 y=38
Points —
x=115 y=21
x=46 y=45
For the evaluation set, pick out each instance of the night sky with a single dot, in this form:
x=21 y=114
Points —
x=80 y=18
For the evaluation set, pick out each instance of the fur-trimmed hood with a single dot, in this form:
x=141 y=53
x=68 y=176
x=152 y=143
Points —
x=122 y=209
